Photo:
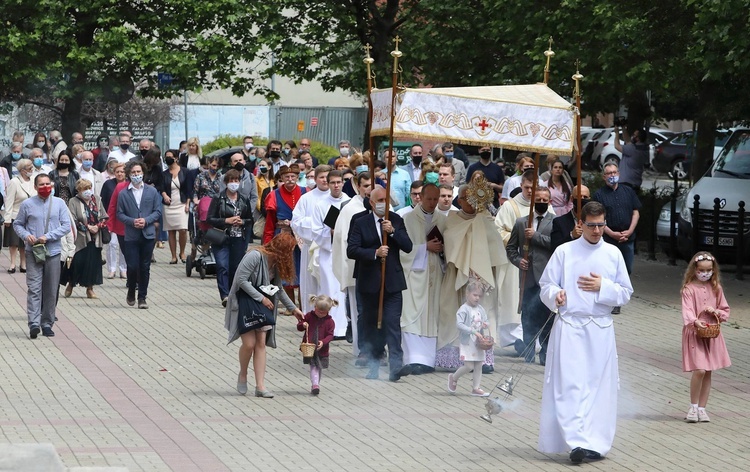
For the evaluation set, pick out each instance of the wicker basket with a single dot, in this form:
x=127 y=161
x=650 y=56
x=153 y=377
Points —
x=308 y=349
x=711 y=330
x=486 y=342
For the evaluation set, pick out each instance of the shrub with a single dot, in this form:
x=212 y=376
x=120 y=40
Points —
x=319 y=150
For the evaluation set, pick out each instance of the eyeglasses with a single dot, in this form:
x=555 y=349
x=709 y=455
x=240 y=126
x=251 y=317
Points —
x=704 y=257
x=596 y=225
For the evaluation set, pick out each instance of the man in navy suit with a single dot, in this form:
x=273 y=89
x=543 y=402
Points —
x=366 y=248
x=138 y=208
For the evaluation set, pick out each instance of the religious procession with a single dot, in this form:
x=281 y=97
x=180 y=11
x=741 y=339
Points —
x=427 y=268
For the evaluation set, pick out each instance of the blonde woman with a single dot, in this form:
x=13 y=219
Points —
x=194 y=157
x=20 y=188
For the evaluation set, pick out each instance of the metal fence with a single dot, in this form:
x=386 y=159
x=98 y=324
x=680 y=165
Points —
x=326 y=125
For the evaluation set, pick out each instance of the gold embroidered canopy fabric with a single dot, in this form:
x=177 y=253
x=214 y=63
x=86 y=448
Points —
x=524 y=117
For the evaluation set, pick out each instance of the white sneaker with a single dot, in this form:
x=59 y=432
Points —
x=703 y=416
x=692 y=415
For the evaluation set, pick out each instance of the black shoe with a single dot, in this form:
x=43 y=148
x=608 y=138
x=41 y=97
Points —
x=577 y=455
x=130 y=299
x=34 y=332
x=47 y=331
x=616 y=310
x=12 y=270
x=22 y=270
x=592 y=455
x=487 y=369
x=142 y=305
x=349 y=334
x=403 y=372
x=339 y=338
x=519 y=346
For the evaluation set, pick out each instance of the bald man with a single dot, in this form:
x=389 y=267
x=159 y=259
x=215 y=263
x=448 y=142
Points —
x=566 y=227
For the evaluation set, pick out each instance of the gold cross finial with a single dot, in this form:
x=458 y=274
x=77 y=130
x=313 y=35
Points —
x=398 y=40
x=550 y=42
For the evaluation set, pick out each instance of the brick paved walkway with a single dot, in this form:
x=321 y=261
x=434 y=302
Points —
x=154 y=390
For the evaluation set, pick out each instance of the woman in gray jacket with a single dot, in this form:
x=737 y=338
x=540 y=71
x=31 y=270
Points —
x=261 y=265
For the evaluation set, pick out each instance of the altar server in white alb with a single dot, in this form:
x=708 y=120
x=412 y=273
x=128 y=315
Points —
x=302 y=217
x=584 y=279
x=323 y=227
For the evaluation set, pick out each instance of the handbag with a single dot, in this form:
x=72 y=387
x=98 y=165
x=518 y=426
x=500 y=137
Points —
x=106 y=235
x=215 y=236
x=486 y=342
x=252 y=314
x=39 y=250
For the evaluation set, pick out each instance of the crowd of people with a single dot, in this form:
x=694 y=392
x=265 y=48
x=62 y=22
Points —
x=459 y=260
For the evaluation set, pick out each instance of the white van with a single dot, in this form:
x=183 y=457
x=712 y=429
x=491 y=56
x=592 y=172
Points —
x=728 y=179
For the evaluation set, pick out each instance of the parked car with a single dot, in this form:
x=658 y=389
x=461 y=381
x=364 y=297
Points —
x=674 y=156
x=225 y=154
x=728 y=182
x=662 y=225
x=606 y=151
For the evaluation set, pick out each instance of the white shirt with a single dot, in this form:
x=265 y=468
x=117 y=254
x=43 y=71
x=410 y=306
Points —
x=123 y=157
x=88 y=175
x=137 y=193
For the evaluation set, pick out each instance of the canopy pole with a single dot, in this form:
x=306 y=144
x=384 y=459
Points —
x=394 y=85
x=577 y=144
x=370 y=78
x=529 y=224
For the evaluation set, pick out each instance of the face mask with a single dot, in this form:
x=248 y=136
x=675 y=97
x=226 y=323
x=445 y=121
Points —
x=87 y=164
x=302 y=175
x=62 y=165
x=212 y=170
x=262 y=170
x=40 y=143
x=431 y=178
x=16 y=156
x=613 y=179
x=38 y=161
x=344 y=151
x=253 y=158
x=44 y=192
x=362 y=168
x=136 y=179
x=380 y=209
x=87 y=194
x=249 y=146
x=124 y=147
x=275 y=154
x=115 y=148
x=584 y=200
x=310 y=183
x=233 y=186
x=169 y=161
x=448 y=155
x=143 y=152
x=541 y=208
x=78 y=156
x=416 y=161
x=704 y=276
x=239 y=167
x=485 y=155
x=287 y=151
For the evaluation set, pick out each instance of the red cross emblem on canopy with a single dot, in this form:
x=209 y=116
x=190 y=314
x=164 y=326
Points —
x=484 y=127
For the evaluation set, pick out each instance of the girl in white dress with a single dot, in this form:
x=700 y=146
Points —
x=471 y=319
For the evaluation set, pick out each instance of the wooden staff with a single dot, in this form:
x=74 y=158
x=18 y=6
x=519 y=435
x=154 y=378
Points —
x=577 y=94
x=394 y=85
x=529 y=224
x=370 y=79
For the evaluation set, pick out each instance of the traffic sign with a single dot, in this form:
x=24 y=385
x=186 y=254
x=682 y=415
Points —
x=314 y=121
x=300 y=126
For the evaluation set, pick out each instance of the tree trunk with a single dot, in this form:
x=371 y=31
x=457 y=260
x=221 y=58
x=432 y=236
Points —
x=71 y=116
x=704 y=152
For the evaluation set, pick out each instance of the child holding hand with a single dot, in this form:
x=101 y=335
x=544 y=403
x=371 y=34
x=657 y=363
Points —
x=319 y=326
x=702 y=302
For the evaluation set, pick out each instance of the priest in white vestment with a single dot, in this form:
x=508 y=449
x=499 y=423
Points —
x=423 y=268
x=509 y=328
x=302 y=226
x=471 y=248
x=584 y=279
x=343 y=267
x=327 y=209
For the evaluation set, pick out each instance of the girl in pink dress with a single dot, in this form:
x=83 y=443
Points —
x=702 y=302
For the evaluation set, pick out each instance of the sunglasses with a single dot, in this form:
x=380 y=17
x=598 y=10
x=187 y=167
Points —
x=596 y=225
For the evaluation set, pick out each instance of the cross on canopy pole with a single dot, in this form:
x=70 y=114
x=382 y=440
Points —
x=394 y=84
x=370 y=79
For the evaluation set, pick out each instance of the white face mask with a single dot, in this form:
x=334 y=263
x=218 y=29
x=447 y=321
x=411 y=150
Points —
x=87 y=194
x=233 y=186
x=380 y=209
x=704 y=276
x=344 y=151
x=310 y=183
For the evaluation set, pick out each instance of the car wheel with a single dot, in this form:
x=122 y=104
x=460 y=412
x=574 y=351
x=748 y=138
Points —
x=678 y=168
x=611 y=158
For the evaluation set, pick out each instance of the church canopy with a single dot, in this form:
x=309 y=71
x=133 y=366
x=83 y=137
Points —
x=523 y=117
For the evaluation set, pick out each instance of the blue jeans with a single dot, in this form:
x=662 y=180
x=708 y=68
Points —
x=138 y=258
x=227 y=257
x=627 y=249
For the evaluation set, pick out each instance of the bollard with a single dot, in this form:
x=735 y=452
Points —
x=696 y=231
x=740 y=241
x=673 y=222
x=654 y=218
x=715 y=221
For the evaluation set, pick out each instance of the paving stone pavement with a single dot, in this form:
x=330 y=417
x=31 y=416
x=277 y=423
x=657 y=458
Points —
x=154 y=390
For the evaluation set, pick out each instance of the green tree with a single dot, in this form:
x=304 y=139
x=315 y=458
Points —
x=58 y=53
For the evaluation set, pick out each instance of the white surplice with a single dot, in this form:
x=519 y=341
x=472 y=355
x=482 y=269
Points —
x=579 y=395
x=323 y=238
x=421 y=299
x=302 y=225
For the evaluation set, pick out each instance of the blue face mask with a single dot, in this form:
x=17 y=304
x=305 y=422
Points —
x=115 y=148
x=448 y=155
x=16 y=155
x=38 y=161
x=87 y=164
x=613 y=179
x=136 y=179
x=431 y=178
x=362 y=168
x=253 y=157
